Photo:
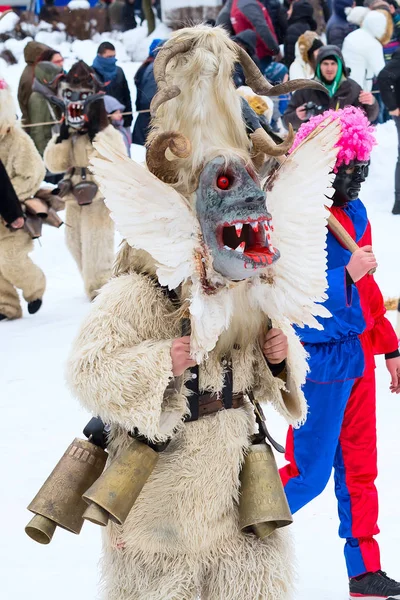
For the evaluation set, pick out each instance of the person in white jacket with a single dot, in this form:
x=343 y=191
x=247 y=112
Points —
x=363 y=48
x=305 y=50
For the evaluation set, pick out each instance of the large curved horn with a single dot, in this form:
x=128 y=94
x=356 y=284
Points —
x=263 y=143
x=166 y=92
x=256 y=80
x=156 y=161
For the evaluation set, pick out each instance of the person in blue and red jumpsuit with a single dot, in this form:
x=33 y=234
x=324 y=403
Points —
x=340 y=431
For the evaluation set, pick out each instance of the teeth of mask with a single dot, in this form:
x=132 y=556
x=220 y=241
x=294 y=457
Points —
x=238 y=227
x=241 y=248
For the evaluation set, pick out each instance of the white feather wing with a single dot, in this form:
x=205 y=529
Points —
x=296 y=202
x=149 y=214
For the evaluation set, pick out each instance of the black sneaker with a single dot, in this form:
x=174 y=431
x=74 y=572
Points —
x=374 y=586
x=2 y=317
x=34 y=306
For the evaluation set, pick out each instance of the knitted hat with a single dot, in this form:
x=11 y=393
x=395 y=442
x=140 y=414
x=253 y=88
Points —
x=357 y=134
x=275 y=72
x=155 y=46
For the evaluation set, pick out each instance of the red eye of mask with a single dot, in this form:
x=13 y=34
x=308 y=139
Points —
x=223 y=182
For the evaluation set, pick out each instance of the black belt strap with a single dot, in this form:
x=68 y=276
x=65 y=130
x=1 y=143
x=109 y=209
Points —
x=227 y=390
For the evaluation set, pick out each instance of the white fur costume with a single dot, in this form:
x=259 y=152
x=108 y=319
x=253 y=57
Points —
x=181 y=540
x=89 y=230
x=26 y=171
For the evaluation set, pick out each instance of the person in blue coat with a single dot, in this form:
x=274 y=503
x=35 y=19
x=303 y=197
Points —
x=338 y=27
x=146 y=88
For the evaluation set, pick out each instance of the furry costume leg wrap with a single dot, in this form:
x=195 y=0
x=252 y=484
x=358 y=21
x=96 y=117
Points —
x=90 y=239
x=73 y=231
x=97 y=243
x=9 y=300
x=18 y=270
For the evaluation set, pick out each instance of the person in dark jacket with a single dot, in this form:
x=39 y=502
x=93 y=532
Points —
x=248 y=41
x=252 y=14
x=41 y=105
x=146 y=88
x=340 y=91
x=32 y=52
x=112 y=79
x=224 y=17
x=128 y=15
x=278 y=15
x=300 y=20
x=338 y=27
x=389 y=85
x=10 y=206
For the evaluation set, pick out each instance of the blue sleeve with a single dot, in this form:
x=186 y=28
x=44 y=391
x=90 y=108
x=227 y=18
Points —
x=340 y=295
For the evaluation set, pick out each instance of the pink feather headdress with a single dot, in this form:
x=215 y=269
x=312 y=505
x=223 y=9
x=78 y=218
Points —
x=357 y=134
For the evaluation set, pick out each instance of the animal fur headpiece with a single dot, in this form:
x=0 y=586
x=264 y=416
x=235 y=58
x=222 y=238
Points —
x=81 y=75
x=197 y=101
x=79 y=87
x=8 y=112
x=356 y=134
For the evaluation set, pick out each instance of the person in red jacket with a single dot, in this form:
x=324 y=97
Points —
x=252 y=14
x=340 y=430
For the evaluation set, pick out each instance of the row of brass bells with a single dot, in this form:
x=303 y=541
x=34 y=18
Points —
x=77 y=482
x=263 y=506
x=59 y=501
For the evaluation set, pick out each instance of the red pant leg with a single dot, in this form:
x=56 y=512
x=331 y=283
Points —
x=355 y=474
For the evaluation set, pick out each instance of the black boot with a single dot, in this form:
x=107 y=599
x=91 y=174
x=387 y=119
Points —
x=374 y=586
x=34 y=306
x=2 y=317
x=396 y=207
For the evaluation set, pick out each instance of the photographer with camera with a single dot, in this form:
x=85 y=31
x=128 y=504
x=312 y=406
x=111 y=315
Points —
x=341 y=91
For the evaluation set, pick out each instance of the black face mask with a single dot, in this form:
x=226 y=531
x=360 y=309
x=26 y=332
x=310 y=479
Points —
x=348 y=182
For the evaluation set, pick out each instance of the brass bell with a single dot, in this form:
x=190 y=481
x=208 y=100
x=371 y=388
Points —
x=53 y=219
x=59 y=500
x=115 y=492
x=263 y=506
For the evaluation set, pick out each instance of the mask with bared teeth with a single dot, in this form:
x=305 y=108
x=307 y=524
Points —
x=77 y=90
x=234 y=220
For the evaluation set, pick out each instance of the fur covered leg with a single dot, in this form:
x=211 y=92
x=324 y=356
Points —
x=18 y=269
x=97 y=247
x=73 y=230
x=142 y=576
x=9 y=300
x=248 y=569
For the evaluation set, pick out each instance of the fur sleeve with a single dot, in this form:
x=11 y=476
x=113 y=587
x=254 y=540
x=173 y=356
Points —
x=28 y=167
x=113 y=138
x=120 y=364
x=285 y=394
x=57 y=157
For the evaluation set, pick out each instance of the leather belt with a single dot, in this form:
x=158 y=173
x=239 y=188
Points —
x=212 y=403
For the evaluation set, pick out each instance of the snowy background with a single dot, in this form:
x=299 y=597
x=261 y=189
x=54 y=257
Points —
x=41 y=418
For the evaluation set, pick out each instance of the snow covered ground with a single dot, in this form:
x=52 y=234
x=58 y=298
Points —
x=40 y=419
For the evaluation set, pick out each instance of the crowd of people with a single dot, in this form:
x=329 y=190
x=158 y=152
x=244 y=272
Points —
x=346 y=45
x=352 y=54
